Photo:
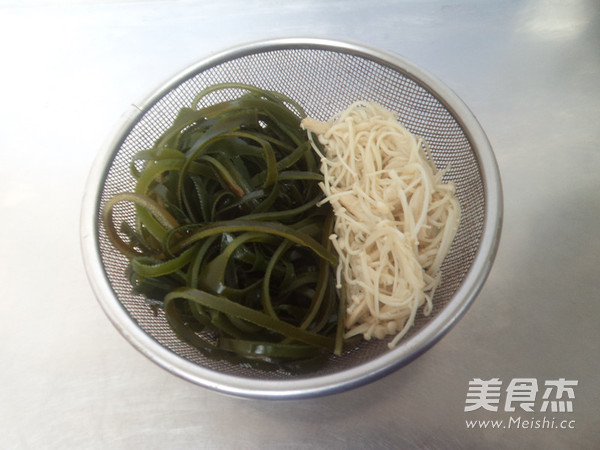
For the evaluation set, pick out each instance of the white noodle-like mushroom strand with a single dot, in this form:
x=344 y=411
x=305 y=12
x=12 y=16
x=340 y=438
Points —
x=395 y=218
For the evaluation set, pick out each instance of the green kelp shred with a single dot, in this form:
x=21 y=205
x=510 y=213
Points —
x=229 y=239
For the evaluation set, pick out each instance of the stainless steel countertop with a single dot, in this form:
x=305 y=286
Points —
x=530 y=72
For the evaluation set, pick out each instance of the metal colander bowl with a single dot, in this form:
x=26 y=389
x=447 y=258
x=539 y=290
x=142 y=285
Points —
x=324 y=77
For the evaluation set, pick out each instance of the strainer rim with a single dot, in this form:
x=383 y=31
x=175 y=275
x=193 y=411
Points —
x=408 y=349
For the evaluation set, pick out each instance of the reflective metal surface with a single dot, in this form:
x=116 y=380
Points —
x=454 y=135
x=528 y=70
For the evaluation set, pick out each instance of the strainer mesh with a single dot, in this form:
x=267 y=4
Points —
x=324 y=82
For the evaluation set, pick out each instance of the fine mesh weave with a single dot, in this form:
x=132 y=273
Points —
x=324 y=82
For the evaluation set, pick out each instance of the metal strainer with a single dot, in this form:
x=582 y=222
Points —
x=325 y=77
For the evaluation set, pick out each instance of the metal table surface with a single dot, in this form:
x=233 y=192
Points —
x=530 y=72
